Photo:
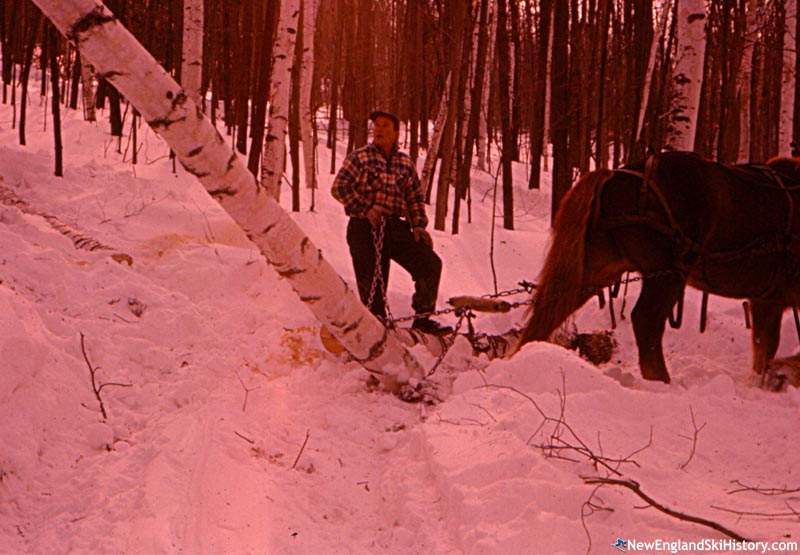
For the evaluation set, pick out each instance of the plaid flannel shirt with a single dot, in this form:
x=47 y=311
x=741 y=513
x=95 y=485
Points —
x=367 y=178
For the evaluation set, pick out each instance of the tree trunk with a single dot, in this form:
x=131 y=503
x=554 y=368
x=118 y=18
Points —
x=10 y=28
x=275 y=141
x=796 y=116
x=461 y=30
x=649 y=77
x=732 y=38
x=429 y=169
x=338 y=48
x=483 y=124
x=203 y=152
x=559 y=109
x=241 y=78
x=788 y=107
x=537 y=137
x=463 y=177
x=601 y=134
x=688 y=74
x=307 y=111
x=294 y=114
x=265 y=38
x=503 y=43
x=52 y=36
x=75 y=80
x=515 y=74
x=192 y=54
x=744 y=79
x=33 y=22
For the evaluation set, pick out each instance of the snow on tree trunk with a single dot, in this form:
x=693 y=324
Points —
x=788 y=85
x=691 y=34
x=310 y=8
x=87 y=82
x=192 y=55
x=277 y=126
x=483 y=125
x=117 y=55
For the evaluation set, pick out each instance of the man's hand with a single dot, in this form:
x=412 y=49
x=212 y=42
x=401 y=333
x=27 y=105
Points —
x=421 y=235
x=376 y=214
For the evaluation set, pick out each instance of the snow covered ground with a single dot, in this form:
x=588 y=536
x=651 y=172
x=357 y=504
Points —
x=230 y=429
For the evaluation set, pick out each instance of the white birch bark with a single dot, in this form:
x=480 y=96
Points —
x=116 y=54
x=661 y=26
x=87 y=84
x=310 y=8
x=278 y=124
x=483 y=126
x=691 y=31
x=428 y=169
x=789 y=78
x=192 y=54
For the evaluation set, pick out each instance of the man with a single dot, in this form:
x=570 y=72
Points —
x=380 y=191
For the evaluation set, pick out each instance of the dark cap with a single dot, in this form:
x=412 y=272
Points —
x=378 y=113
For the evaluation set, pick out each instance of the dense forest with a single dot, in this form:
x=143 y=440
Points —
x=558 y=85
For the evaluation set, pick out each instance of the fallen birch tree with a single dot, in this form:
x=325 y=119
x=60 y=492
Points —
x=119 y=58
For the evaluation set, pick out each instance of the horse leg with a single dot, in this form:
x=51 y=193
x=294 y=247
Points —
x=649 y=318
x=766 y=332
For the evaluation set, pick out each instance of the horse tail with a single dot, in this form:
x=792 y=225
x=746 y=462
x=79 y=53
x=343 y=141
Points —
x=561 y=288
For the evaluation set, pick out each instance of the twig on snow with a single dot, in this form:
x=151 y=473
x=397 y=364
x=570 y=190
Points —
x=563 y=437
x=693 y=439
x=762 y=491
x=588 y=509
x=247 y=439
x=758 y=515
x=246 y=390
x=303 y=448
x=634 y=487
x=93 y=372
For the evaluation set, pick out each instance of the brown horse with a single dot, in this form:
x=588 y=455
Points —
x=676 y=219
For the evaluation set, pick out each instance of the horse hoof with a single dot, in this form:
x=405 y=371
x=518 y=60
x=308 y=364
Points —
x=656 y=377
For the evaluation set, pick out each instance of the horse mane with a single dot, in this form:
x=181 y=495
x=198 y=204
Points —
x=784 y=165
x=785 y=160
x=561 y=280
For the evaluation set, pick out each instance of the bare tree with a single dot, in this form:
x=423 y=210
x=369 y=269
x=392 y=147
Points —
x=789 y=89
x=307 y=109
x=688 y=73
x=796 y=115
x=537 y=131
x=192 y=54
x=275 y=141
x=463 y=178
x=461 y=33
x=559 y=108
x=505 y=113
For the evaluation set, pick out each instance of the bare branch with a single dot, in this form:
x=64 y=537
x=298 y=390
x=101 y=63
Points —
x=93 y=373
x=303 y=448
x=762 y=491
x=246 y=390
x=634 y=487
x=563 y=437
x=696 y=433
x=759 y=515
x=589 y=508
x=247 y=439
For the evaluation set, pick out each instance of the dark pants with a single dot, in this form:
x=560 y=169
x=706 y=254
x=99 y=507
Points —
x=399 y=245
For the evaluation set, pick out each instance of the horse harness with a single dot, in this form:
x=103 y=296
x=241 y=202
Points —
x=689 y=251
